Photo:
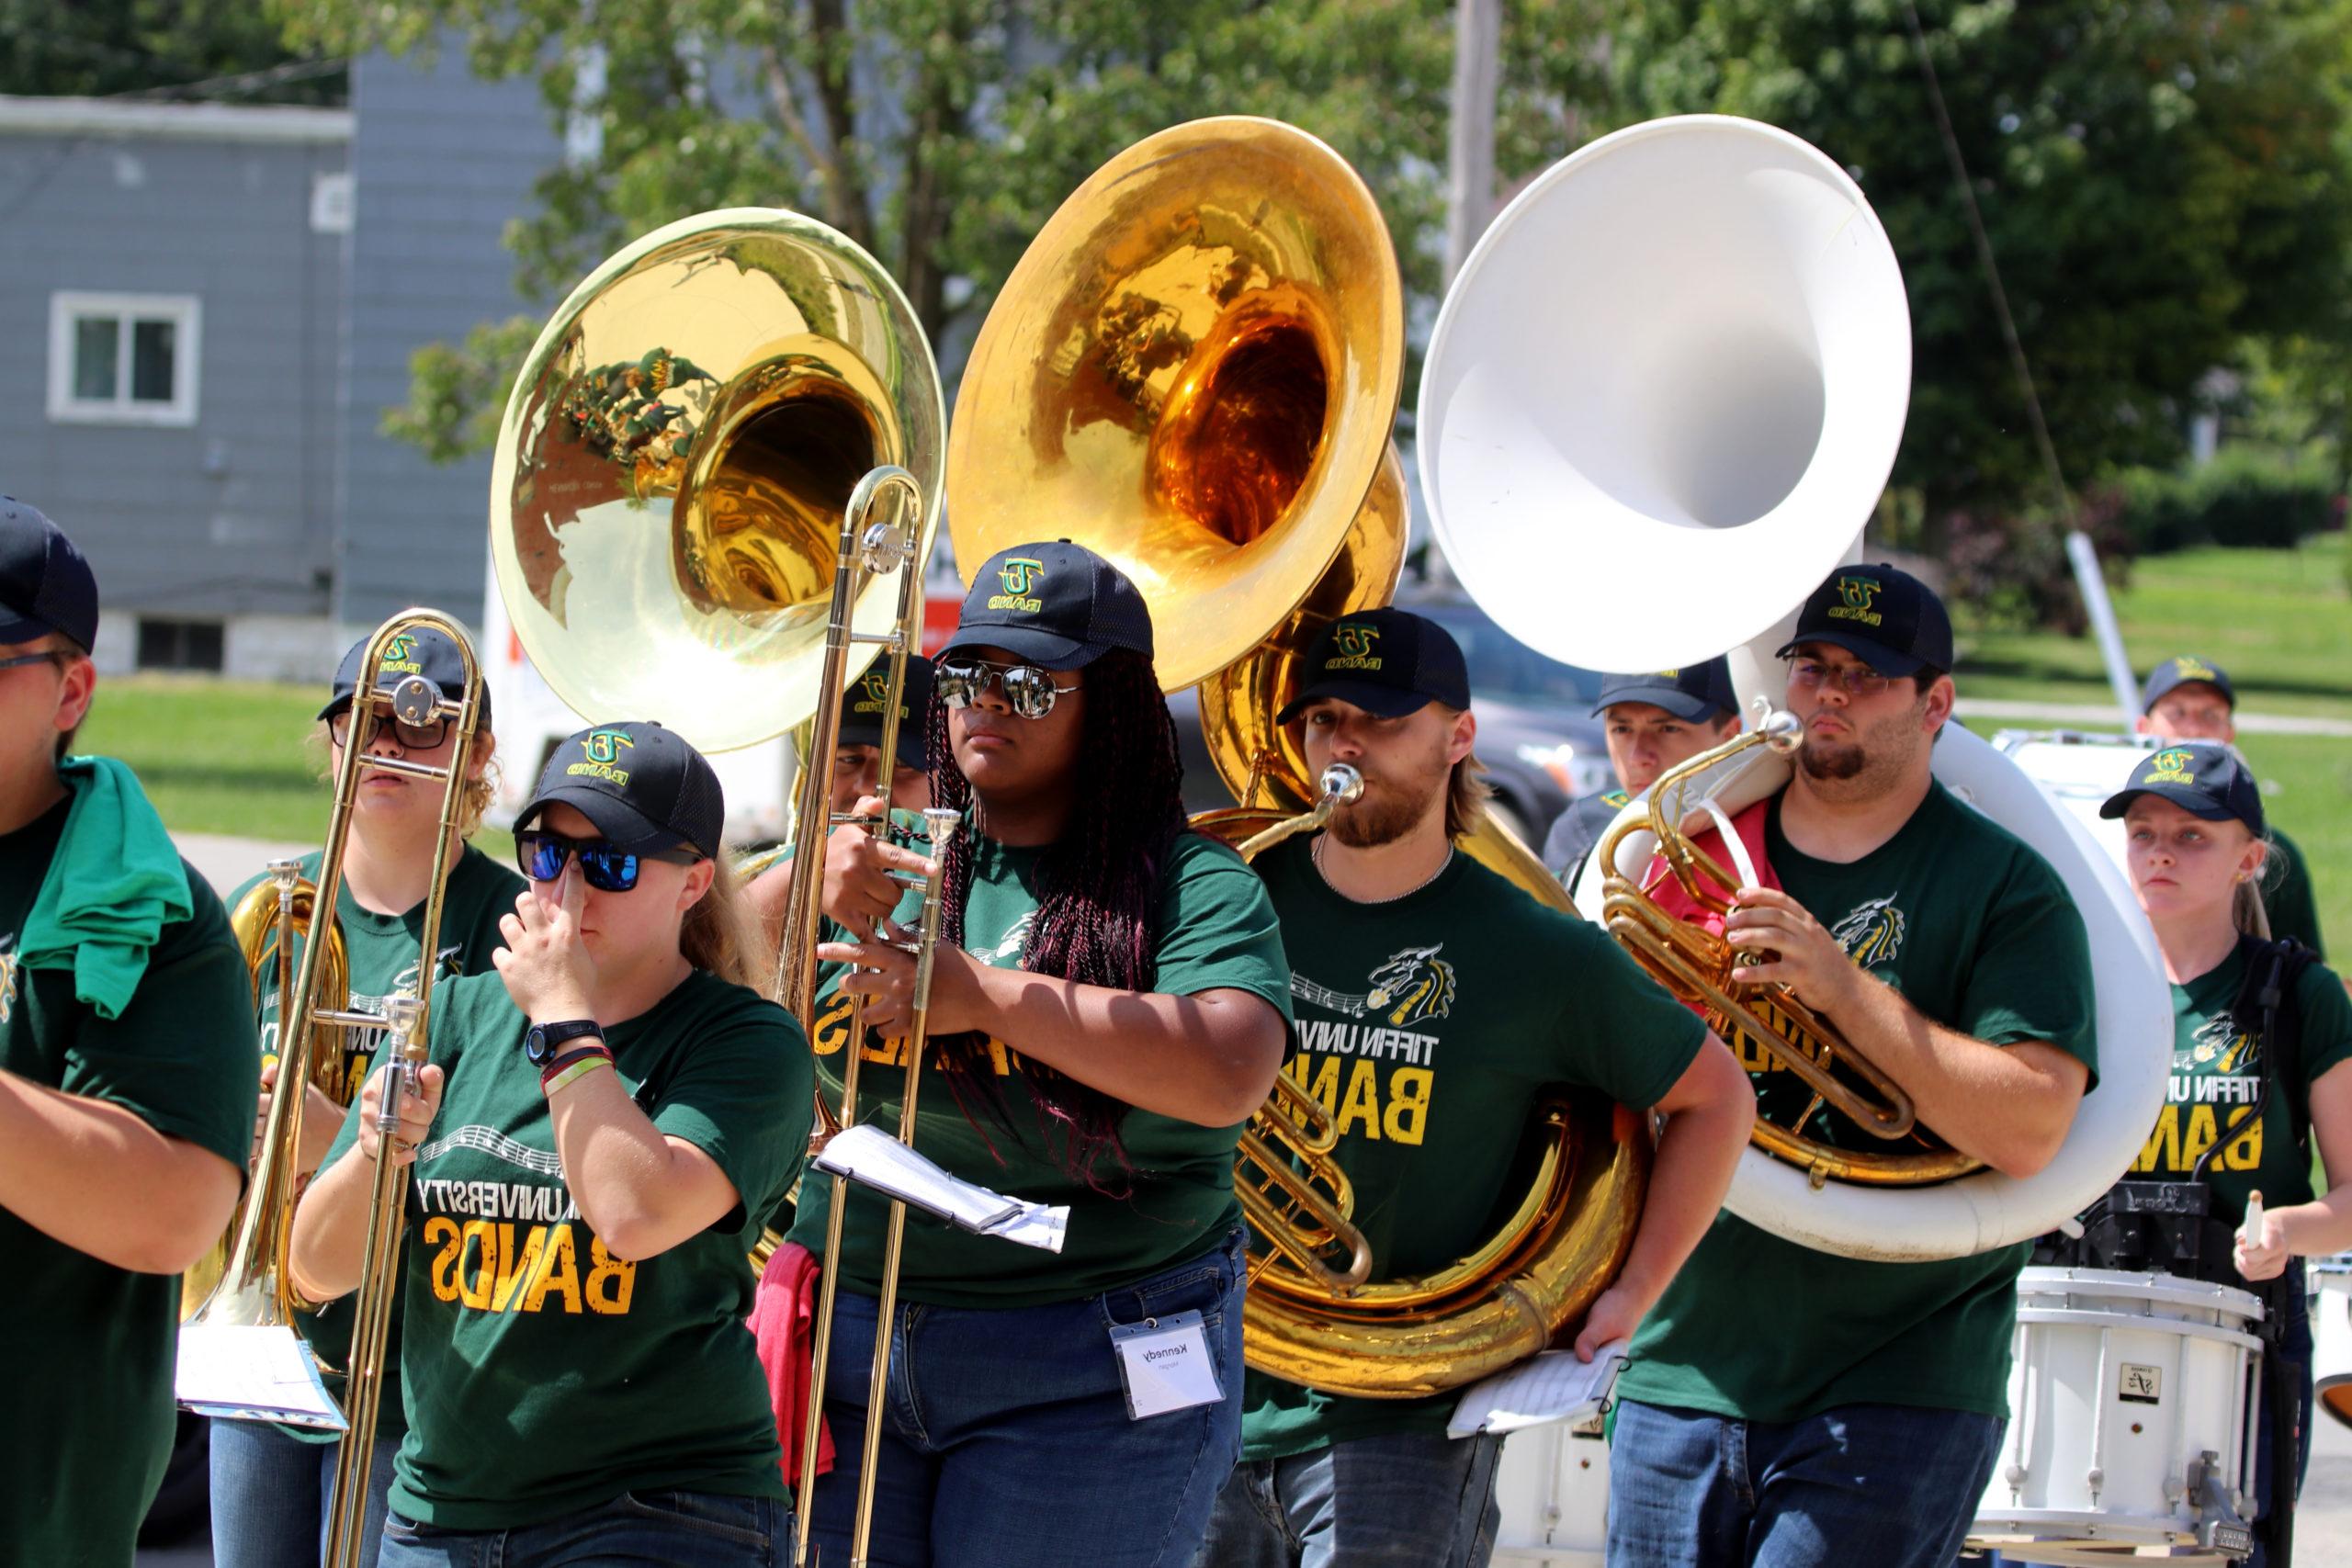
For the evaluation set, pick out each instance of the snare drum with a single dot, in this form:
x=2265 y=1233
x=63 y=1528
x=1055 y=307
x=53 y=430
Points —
x=2079 y=771
x=2331 y=1306
x=1553 y=1485
x=2132 y=1399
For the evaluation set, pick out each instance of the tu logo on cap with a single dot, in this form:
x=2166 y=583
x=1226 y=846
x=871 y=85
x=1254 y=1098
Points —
x=1856 y=595
x=2170 y=767
x=2193 y=670
x=877 y=687
x=1355 y=643
x=1020 y=575
x=601 y=748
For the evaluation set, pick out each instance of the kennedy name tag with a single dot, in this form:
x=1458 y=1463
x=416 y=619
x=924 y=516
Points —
x=1166 y=1365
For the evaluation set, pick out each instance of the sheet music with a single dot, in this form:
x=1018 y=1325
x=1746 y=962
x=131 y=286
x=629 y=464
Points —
x=252 y=1374
x=1552 y=1386
x=873 y=1158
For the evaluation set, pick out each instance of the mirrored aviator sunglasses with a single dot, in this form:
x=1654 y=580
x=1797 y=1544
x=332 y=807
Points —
x=604 y=865
x=1029 y=692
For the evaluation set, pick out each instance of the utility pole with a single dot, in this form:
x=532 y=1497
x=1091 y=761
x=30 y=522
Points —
x=1470 y=161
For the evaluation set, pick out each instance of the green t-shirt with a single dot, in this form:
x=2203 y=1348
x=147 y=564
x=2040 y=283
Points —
x=1426 y=1026
x=89 y=1347
x=1979 y=934
x=2287 y=897
x=1173 y=1196
x=381 y=951
x=543 y=1375
x=2217 y=1070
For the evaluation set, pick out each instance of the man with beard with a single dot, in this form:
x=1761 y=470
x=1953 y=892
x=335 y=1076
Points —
x=1786 y=1406
x=1655 y=721
x=2188 y=698
x=1432 y=999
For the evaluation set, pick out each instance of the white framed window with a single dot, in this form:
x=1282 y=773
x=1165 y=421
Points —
x=123 y=358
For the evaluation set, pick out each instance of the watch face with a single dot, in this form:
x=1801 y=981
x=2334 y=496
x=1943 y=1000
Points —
x=535 y=1045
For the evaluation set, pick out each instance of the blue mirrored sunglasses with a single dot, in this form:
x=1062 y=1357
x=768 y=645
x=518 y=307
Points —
x=604 y=865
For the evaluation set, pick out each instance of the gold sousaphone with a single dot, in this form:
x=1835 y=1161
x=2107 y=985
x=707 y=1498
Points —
x=1193 y=372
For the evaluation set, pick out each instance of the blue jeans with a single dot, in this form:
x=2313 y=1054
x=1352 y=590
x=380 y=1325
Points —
x=1890 y=1486
x=658 y=1528
x=1397 y=1500
x=271 y=1492
x=1005 y=1433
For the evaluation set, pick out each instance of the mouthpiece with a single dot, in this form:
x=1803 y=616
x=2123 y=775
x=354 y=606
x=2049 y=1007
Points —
x=1341 y=783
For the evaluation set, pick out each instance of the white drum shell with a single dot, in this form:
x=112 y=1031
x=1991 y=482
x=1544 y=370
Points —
x=1552 y=1488
x=2120 y=1382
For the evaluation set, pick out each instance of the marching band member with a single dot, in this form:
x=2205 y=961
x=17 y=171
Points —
x=271 y=1485
x=1787 y=1406
x=1109 y=1003
x=2188 y=698
x=607 y=1113
x=2192 y=817
x=126 y=1066
x=1520 y=995
x=1655 y=721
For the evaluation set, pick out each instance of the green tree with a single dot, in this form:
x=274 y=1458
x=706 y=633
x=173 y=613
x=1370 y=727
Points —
x=156 y=48
x=939 y=134
x=2161 y=182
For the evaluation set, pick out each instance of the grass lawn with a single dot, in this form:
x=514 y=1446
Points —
x=2280 y=623
x=225 y=756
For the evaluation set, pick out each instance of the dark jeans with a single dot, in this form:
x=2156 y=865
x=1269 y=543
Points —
x=690 y=1530
x=1890 y=1486
x=270 y=1495
x=1399 y=1500
x=1006 y=1438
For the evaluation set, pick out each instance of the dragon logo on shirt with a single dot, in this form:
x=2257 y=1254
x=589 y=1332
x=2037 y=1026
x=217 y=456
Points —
x=2218 y=1040
x=1871 y=933
x=1417 y=981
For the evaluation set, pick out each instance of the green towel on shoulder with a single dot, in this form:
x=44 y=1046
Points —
x=114 y=884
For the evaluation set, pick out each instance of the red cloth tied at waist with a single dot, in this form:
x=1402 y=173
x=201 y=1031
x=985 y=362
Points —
x=784 y=1321
x=1669 y=894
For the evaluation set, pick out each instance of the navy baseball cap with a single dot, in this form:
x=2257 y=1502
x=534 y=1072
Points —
x=2179 y=672
x=2204 y=778
x=421 y=651
x=861 y=712
x=1695 y=693
x=45 y=584
x=1882 y=614
x=643 y=787
x=1388 y=662
x=1057 y=604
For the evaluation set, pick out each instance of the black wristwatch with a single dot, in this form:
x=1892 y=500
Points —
x=546 y=1039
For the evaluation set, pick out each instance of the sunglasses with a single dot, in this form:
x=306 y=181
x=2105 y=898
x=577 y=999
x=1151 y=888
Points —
x=1029 y=692
x=1855 y=679
x=604 y=865
x=412 y=737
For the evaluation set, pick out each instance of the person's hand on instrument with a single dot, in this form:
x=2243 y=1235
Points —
x=860 y=892
x=322 y=1119
x=1614 y=1314
x=417 y=1111
x=1780 y=942
x=2260 y=1251
x=545 y=963
x=884 y=976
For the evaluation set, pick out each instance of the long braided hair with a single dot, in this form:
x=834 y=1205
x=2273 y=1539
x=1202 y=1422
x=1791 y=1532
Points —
x=1098 y=894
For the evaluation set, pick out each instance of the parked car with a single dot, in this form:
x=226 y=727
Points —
x=1541 y=746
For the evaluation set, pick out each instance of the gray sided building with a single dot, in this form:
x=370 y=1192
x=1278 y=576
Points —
x=217 y=305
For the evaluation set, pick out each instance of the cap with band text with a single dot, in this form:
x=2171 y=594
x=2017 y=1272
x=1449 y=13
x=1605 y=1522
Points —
x=1055 y=604
x=862 y=713
x=2204 y=778
x=1388 y=662
x=1695 y=693
x=1880 y=613
x=421 y=651
x=2180 y=672
x=643 y=787
x=45 y=584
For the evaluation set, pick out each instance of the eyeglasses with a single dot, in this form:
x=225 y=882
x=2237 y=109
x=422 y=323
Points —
x=604 y=865
x=1029 y=692
x=1854 y=680
x=413 y=737
x=50 y=656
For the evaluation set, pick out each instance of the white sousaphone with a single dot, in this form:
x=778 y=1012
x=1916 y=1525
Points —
x=1680 y=359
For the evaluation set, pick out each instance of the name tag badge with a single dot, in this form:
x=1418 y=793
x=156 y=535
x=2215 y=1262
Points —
x=1165 y=1363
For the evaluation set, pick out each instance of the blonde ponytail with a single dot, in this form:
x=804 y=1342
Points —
x=722 y=934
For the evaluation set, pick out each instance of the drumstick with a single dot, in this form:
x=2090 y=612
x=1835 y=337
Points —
x=2250 y=1232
